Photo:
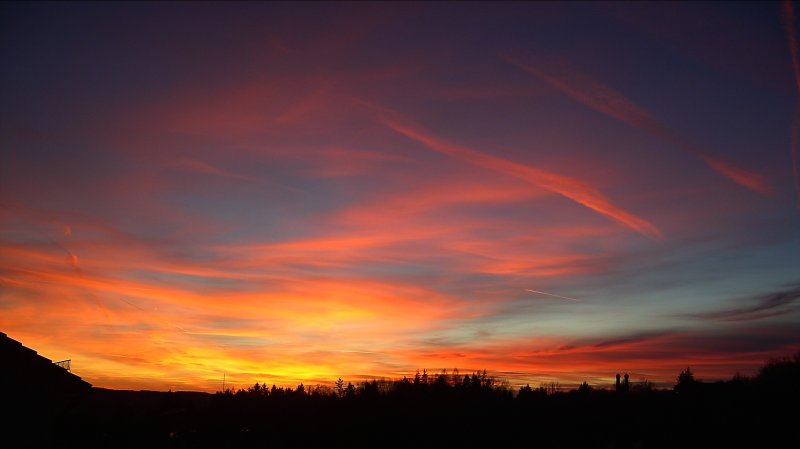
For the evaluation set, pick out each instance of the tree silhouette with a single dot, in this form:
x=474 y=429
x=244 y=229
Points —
x=339 y=388
x=686 y=382
x=525 y=392
x=369 y=389
x=780 y=375
x=550 y=388
x=355 y=415
x=441 y=381
x=644 y=386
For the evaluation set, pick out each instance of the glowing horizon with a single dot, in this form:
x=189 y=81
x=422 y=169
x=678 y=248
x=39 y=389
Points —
x=290 y=194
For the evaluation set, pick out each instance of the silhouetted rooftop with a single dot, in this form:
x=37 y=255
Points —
x=26 y=370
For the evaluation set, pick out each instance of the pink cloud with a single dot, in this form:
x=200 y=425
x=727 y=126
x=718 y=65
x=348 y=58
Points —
x=613 y=103
x=573 y=189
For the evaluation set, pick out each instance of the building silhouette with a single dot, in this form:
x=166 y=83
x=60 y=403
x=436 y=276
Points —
x=624 y=386
x=37 y=394
x=25 y=369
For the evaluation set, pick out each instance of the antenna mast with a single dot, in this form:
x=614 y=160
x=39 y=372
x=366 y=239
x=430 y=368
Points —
x=66 y=364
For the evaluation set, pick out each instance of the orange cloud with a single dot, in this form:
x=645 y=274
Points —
x=284 y=327
x=414 y=198
x=256 y=220
x=120 y=329
x=657 y=357
x=573 y=189
x=255 y=311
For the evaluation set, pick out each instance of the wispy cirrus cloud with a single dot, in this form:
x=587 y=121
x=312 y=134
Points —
x=656 y=355
x=573 y=189
x=761 y=306
x=202 y=167
x=791 y=37
x=794 y=54
x=234 y=210
x=609 y=101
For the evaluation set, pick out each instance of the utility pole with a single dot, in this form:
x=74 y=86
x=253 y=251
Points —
x=223 y=383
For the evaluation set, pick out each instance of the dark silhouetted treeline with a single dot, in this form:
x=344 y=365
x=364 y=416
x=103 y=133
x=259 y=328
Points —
x=430 y=410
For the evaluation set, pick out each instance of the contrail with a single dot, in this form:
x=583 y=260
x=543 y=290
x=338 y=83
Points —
x=159 y=317
x=550 y=294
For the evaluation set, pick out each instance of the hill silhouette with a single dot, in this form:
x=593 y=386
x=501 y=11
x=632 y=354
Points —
x=428 y=410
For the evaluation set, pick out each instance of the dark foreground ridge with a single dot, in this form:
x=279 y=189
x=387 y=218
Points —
x=46 y=406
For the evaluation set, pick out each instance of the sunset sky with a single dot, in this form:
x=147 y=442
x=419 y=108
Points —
x=290 y=193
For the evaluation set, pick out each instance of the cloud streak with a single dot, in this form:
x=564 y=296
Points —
x=615 y=104
x=765 y=306
x=166 y=219
x=573 y=189
x=791 y=36
x=794 y=54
